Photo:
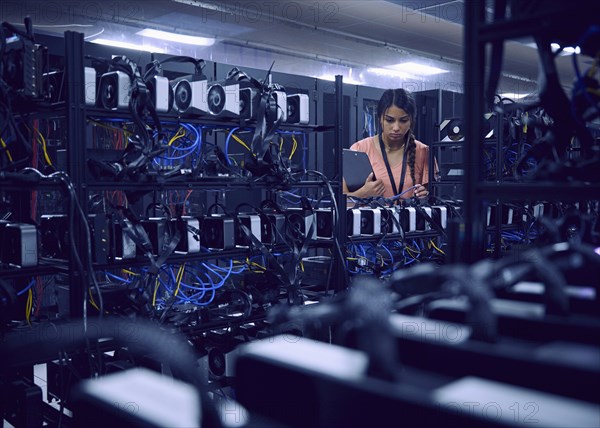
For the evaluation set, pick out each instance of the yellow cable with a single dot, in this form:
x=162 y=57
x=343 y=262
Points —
x=7 y=151
x=294 y=146
x=44 y=148
x=414 y=256
x=155 y=291
x=179 y=134
x=280 y=144
x=239 y=140
x=258 y=265
x=29 y=306
x=436 y=247
x=412 y=249
x=94 y=303
x=129 y=272
x=178 y=278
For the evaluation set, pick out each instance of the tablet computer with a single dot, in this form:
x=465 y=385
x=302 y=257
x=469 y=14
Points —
x=356 y=167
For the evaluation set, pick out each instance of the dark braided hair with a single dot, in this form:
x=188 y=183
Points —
x=403 y=99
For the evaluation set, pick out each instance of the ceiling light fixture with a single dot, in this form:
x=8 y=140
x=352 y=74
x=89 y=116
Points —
x=126 y=45
x=513 y=95
x=331 y=78
x=390 y=73
x=417 y=69
x=179 y=38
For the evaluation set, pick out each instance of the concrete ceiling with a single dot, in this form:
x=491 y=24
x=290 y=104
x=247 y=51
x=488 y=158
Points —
x=314 y=38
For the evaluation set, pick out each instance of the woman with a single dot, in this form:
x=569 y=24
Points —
x=394 y=151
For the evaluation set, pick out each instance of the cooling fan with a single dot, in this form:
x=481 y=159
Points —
x=189 y=94
x=218 y=232
x=370 y=221
x=390 y=220
x=324 y=223
x=114 y=90
x=223 y=99
x=300 y=223
x=272 y=228
x=249 y=103
x=298 y=109
x=451 y=130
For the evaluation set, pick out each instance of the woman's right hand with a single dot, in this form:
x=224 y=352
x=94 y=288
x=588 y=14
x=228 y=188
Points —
x=371 y=188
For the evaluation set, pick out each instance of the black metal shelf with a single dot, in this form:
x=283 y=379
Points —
x=45 y=267
x=394 y=236
x=95 y=113
x=207 y=183
x=459 y=143
x=573 y=191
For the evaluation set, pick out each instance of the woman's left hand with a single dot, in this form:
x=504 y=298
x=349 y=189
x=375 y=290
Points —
x=421 y=191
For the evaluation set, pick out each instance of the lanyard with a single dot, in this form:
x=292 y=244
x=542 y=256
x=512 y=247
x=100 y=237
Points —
x=389 y=169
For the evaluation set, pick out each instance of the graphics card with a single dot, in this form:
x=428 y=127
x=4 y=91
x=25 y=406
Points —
x=301 y=223
x=353 y=224
x=89 y=77
x=370 y=221
x=440 y=215
x=218 y=232
x=156 y=229
x=190 y=94
x=272 y=228
x=223 y=99
x=408 y=219
x=122 y=245
x=298 y=109
x=423 y=223
x=161 y=93
x=249 y=103
x=54 y=236
x=325 y=222
x=390 y=220
x=277 y=105
x=506 y=216
x=189 y=229
x=23 y=62
x=252 y=222
x=114 y=90
x=19 y=244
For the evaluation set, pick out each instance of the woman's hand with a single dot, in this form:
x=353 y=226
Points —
x=370 y=188
x=421 y=191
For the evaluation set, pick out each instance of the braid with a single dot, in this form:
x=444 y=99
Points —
x=411 y=151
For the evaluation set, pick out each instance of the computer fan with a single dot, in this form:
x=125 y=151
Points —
x=218 y=232
x=298 y=109
x=190 y=94
x=114 y=90
x=452 y=130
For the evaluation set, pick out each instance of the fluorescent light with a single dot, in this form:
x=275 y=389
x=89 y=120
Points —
x=513 y=95
x=331 y=78
x=119 y=44
x=568 y=50
x=390 y=73
x=416 y=69
x=179 y=38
